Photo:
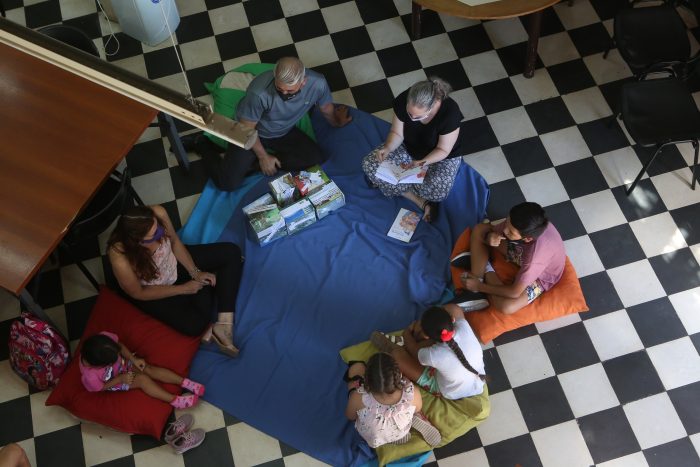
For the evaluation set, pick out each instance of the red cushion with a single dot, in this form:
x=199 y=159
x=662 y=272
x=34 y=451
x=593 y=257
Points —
x=131 y=411
x=564 y=298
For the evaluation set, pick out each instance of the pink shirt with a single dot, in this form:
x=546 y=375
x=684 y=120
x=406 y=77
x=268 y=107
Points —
x=94 y=378
x=542 y=259
x=166 y=264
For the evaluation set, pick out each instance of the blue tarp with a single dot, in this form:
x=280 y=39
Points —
x=306 y=296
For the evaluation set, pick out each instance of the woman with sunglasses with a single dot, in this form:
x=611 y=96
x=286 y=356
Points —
x=424 y=132
x=176 y=284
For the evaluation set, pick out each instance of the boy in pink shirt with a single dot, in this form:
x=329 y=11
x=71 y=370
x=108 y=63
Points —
x=527 y=239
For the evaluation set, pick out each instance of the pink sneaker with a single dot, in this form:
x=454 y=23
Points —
x=178 y=427
x=188 y=440
x=193 y=387
x=184 y=402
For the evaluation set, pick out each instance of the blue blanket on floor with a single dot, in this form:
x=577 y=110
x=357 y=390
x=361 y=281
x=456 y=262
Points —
x=306 y=296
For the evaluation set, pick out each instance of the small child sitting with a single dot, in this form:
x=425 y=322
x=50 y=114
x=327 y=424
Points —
x=384 y=405
x=440 y=353
x=107 y=365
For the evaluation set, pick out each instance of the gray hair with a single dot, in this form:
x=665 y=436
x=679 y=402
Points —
x=423 y=94
x=289 y=70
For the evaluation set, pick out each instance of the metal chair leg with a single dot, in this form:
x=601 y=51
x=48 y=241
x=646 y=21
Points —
x=88 y=275
x=611 y=44
x=695 y=162
x=643 y=171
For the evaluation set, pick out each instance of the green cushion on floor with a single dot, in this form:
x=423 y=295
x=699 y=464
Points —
x=452 y=418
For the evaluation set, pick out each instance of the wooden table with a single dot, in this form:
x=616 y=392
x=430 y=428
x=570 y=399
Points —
x=500 y=9
x=61 y=136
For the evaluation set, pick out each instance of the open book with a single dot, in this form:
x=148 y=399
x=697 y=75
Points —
x=404 y=225
x=392 y=173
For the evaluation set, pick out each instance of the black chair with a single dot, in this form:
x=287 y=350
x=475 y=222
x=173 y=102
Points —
x=660 y=112
x=115 y=195
x=652 y=39
x=71 y=36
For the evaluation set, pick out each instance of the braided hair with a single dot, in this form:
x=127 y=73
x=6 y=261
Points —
x=437 y=324
x=382 y=374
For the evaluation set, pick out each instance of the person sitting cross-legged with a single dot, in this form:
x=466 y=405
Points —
x=525 y=238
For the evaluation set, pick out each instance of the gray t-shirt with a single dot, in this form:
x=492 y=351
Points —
x=275 y=116
x=454 y=380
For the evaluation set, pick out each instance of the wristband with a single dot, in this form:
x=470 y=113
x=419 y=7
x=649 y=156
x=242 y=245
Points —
x=196 y=271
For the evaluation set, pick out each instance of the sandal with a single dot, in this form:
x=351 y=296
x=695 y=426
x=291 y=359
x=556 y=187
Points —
x=225 y=342
x=432 y=214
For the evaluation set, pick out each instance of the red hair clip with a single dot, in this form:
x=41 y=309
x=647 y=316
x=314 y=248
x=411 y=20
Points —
x=446 y=335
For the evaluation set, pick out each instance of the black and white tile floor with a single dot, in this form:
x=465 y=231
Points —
x=617 y=386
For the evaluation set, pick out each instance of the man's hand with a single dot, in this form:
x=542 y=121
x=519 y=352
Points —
x=342 y=115
x=494 y=239
x=269 y=164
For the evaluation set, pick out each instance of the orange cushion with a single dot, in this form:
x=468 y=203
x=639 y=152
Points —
x=131 y=411
x=564 y=298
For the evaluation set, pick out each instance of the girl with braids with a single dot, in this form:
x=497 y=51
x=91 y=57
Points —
x=162 y=276
x=440 y=353
x=383 y=403
x=424 y=132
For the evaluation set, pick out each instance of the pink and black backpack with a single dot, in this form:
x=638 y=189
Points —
x=39 y=353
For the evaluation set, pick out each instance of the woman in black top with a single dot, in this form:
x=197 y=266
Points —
x=424 y=132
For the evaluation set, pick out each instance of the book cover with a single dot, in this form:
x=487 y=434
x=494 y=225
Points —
x=328 y=198
x=393 y=173
x=404 y=225
x=283 y=189
x=298 y=215
x=310 y=180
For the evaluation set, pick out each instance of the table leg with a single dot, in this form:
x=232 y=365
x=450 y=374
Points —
x=533 y=37
x=415 y=21
x=167 y=124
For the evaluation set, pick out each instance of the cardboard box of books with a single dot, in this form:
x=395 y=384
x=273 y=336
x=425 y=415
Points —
x=328 y=198
x=265 y=219
x=298 y=216
x=310 y=180
x=283 y=189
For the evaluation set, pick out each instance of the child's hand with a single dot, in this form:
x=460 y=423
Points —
x=138 y=362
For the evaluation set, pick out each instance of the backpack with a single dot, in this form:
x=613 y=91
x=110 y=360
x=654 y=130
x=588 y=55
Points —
x=39 y=354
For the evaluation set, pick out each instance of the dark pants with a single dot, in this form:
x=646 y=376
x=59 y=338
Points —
x=295 y=150
x=191 y=314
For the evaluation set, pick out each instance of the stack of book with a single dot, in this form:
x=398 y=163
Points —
x=265 y=219
x=294 y=202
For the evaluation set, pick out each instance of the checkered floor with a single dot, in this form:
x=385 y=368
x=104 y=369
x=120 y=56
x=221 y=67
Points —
x=617 y=386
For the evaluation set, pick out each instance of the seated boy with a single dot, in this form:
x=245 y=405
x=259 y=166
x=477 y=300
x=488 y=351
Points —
x=527 y=239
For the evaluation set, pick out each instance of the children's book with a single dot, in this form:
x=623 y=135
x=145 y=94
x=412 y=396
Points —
x=404 y=225
x=283 y=189
x=265 y=219
x=392 y=173
x=298 y=215
x=310 y=180
x=328 y=198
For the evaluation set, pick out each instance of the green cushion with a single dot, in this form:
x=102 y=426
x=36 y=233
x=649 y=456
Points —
x=226 y=99
x=452 y=418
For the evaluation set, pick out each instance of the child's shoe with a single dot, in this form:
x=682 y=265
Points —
x=178 y=427
x=193 y=387
x=188 y=440
x=184 y=402
x=431 y=435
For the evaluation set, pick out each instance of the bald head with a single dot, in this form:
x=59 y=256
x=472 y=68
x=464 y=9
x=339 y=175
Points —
x=289 y=71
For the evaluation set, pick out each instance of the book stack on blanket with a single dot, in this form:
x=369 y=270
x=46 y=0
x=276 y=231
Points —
x=294 y=203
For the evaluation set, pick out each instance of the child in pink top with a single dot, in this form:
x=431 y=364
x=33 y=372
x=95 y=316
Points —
x=107 y=365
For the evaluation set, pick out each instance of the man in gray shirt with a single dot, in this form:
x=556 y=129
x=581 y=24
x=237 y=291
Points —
x=274 y=102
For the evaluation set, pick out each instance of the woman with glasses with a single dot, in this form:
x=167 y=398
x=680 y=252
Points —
x=176 y=284
x=424 y=132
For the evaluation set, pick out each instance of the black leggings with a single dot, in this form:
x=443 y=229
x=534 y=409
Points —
x=295 y=150
x=192 y=314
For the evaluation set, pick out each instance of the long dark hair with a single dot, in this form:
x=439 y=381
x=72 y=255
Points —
x=382 y=374
x=131 y=227
x=437 y=324
x=99 y=350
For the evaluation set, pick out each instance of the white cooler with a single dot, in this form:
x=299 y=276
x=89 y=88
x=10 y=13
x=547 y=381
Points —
x=143 y=19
